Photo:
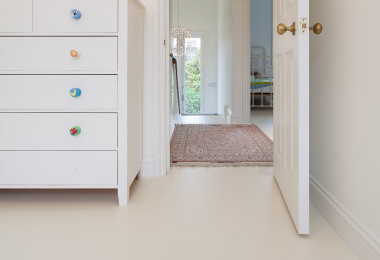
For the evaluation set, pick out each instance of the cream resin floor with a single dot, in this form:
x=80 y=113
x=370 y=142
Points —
x=191 y=214
x=263 y=118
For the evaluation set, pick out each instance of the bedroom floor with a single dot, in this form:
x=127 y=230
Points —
x=263 y=118
x=193 y=213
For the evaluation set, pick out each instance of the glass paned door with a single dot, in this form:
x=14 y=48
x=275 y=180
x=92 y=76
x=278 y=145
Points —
x=192 y=77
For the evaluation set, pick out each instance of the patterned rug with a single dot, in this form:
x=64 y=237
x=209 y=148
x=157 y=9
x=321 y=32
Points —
x=220 y=145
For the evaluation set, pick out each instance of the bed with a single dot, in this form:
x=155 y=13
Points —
x=261 y=85
x=262 y=82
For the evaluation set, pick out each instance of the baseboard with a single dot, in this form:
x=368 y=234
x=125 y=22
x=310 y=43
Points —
x=361 y=241
x=238 y=119
x=148 y=167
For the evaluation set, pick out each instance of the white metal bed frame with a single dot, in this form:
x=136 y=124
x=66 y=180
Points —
x=263 y=64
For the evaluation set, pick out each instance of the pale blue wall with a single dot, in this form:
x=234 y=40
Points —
x=262 y=24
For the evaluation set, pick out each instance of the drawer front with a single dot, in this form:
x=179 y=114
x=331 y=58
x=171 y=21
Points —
x=58 y=168
x=16 y=16
x=56 y=53
x=51 y=131
x=45 y=92
x=91 y=16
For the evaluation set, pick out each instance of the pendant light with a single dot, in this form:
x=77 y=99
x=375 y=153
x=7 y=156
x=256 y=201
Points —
x=180 y=34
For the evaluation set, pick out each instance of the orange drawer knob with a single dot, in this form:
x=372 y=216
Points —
x=74 y=54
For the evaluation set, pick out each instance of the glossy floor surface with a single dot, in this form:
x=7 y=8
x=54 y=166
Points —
x=263 y=118
x=193 y=213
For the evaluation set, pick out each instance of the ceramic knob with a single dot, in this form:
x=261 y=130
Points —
x=75 y=131
x=75 y=14
x=74 y=54
x=75 y=92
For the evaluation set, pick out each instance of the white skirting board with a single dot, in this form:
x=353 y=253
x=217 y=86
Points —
x=149 y=167
x=238 y=119
x=364 y=244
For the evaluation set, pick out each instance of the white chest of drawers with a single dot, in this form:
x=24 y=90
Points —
x=71 y=94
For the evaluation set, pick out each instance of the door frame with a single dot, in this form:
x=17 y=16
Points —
x=241 y=78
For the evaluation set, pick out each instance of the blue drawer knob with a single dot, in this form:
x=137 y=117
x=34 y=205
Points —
x=75 y=14
x=75 y=92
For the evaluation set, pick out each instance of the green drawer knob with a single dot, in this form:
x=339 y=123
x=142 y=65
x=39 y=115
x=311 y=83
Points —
x=75 y=131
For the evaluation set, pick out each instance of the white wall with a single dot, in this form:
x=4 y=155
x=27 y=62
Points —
x=202 y=16
x=262 y=24
x=224 y=55
x=345 y=107
x=149 y=85
x=240 y=61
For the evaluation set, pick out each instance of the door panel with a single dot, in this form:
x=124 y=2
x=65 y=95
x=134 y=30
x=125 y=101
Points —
x=291 y=110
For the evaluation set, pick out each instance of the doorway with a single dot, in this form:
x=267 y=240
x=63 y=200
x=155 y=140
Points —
x=191 y=74
x=290 y=97
x=261 y=66
x=195 y=99
x=205 y=80
x=197 y=58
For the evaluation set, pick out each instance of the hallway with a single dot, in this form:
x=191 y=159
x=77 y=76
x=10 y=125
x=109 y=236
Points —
x=193 y=213
x=262 y=117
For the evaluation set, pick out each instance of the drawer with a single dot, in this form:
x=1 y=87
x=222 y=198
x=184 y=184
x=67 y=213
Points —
x=24 y=92
x=94 y=16
x=51 y=131
x=58 y=168
x=55 y=53
x=16 y=16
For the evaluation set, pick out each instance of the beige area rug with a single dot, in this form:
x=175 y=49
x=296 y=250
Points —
x=220 y=145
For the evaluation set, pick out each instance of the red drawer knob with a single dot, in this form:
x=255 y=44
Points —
x=75 y=131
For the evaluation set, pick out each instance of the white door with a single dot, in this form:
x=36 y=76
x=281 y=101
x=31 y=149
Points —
x=291 y=109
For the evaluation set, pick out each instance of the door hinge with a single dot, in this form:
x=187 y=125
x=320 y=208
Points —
x=165 y=42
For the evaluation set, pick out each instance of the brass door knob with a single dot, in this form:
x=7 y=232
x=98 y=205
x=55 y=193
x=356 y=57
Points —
x=317 y=28
x=281 y=29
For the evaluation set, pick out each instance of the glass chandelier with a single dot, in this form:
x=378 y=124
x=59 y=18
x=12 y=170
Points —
x=179 y=36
